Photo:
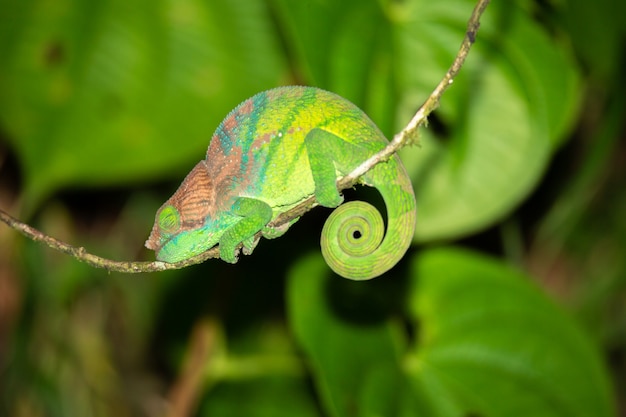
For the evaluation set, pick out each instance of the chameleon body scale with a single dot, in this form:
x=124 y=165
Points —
x=270 y=153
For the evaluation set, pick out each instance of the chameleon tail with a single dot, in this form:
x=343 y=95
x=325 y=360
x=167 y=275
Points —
x=352 y=239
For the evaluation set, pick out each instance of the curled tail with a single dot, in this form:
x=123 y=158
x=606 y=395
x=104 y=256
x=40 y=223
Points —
x=354 y=241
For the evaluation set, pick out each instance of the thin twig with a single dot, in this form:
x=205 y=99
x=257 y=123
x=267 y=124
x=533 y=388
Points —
x=80 y=253
x=409 y=133
x=406 y=136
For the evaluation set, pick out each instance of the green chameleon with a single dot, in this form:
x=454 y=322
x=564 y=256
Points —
x=272 y=152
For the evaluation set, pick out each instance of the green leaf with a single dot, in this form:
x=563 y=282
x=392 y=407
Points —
x=487 y=342
x=505 y=114
x=596 y=31
x=491 y=344
x=258 y=364
x=263 y=397
x=345 y=342
x=111 y=91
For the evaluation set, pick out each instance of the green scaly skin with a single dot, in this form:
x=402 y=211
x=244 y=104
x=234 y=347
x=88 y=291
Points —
x=272 y=152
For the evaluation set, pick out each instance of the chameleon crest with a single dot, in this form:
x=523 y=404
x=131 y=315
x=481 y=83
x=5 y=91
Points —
x=270 y=153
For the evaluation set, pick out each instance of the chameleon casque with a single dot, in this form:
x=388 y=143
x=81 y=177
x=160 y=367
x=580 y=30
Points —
x=270 y=153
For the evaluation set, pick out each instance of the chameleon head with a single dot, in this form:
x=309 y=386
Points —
x=179 y=230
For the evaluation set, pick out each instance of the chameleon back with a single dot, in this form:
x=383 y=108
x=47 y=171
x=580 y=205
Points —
x=258 y=150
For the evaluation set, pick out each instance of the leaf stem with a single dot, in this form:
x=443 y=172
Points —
x=408 y=135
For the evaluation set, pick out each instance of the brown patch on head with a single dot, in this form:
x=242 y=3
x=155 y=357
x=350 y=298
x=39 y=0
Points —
x=194 y=200
x=226 y=168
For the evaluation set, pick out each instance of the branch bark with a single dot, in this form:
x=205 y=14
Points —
x=406 y=136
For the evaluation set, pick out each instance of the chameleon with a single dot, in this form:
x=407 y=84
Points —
x=273 y=151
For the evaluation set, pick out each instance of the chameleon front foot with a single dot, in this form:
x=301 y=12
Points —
x=255 y=214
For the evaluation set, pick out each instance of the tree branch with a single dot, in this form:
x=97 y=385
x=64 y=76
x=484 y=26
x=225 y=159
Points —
x=407 y=135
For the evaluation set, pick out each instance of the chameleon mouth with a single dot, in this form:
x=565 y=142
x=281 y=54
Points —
x=150 y=245
x=155 y=241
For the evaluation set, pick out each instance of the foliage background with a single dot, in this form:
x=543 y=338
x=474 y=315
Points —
x=511 y=302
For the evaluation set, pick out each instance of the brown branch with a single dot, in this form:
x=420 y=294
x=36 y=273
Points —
x=202 y=348
x=406 y=136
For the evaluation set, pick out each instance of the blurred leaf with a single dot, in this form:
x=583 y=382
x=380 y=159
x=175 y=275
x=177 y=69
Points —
x=492 y=344
x=502 y=119
x=263 y=397
x=597 y=32
x=488 y=343
x=506 y=113
x=111 y=91
x=486 y=169
x=260 y=366
x=342 y=354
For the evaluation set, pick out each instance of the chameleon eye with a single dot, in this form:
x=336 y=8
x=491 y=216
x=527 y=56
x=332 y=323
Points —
x=169 y=220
